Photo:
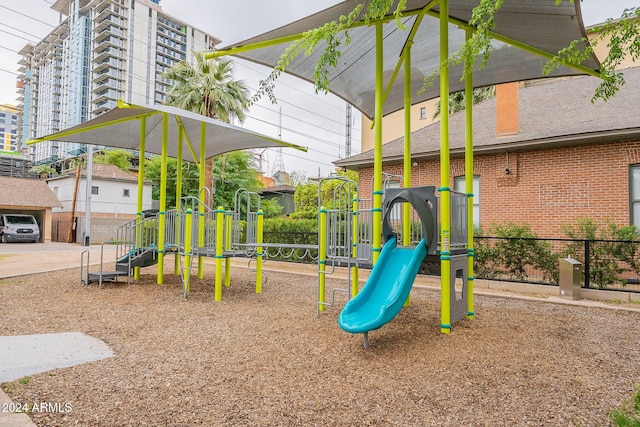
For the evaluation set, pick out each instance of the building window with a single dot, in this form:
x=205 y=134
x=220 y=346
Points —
x=634 y=194
x=94 y=189
x=125 y=192
x=459 y=186
x=423 y=113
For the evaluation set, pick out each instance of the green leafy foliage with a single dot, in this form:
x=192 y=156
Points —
x=628 y=415
x=509 y=257
x=233 y=171
x=43 y=170
x=190 y=174
x=306 y=196
x=457 y=100
x=118 y=157
x=611 y=254
x=271 y=208
x=208 y=88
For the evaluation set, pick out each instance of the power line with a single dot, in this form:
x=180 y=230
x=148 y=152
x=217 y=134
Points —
x=27 y=16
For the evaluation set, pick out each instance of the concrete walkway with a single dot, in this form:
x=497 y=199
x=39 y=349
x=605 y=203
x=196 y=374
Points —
x=17 y=259
x=30 y=354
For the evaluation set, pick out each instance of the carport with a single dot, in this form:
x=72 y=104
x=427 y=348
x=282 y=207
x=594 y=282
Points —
x=30 y=197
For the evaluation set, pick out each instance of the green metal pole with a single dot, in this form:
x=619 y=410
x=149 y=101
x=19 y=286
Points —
x=186 y=278
x=322 y=257
x=377 y=148
x=468 y=88
x=259 y=240
x=406 y=208
x=143 y=138
x=228 y=217
x=178 y=196
x=202 y=207
x=445 y=191
x=163 y=196
x=406 y=226
x=354 y=247
x=219 y=252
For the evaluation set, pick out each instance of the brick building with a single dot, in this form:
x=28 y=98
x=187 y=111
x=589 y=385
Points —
x=545 y=155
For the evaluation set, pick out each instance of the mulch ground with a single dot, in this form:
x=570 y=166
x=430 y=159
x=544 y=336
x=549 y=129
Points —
x=271 y=359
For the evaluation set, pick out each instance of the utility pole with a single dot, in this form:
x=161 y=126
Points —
x=347 y=143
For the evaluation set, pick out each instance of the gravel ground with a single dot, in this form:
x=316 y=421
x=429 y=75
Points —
x=270 y=359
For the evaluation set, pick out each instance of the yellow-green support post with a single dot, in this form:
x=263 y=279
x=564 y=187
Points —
x=186 y=278
x=143 y=139
x=377 y=147
x=259 y=254
x=445 y=191
x=322 y=257
x=227 y=247
x=354 y=248
x=406 y=208
x=202 y=207
x=219 y=252
x=178 y=196
x=468 y=88
x=163 y=196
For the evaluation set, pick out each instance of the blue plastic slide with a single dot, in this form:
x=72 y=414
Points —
x=386 y=290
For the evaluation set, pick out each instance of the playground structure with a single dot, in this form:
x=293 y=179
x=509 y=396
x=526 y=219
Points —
x=194 y=231
x=520 y=44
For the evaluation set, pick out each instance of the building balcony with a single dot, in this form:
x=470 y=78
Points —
x=108 y=21
x=103 y=107
x=99 y=75
x=107 y=41
x=107 y=84
x=107 y=65
x=108 y=53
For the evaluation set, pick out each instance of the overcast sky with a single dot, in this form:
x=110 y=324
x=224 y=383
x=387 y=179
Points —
x=314 y=121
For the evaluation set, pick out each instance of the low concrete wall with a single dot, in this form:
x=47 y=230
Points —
x=103 y=229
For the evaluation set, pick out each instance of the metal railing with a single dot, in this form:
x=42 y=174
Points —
x=607 y=264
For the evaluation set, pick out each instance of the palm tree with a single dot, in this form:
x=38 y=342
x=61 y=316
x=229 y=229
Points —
x=457 y=99
x=208 y=88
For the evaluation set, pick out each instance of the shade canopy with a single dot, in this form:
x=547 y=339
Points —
x=539 y=29
x=120 y=127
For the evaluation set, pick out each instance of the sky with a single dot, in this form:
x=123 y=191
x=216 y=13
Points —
x=315 y=121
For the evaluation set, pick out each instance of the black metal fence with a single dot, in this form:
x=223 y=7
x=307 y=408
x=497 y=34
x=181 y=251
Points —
x=607 y=264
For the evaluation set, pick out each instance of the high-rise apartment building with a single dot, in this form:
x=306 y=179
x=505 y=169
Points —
x=9 y=128
x=102 y=51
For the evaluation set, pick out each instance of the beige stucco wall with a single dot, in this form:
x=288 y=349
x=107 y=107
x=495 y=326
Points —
x=393 y=124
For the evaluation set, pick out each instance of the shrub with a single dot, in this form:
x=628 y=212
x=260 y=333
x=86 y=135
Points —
x=515 y=249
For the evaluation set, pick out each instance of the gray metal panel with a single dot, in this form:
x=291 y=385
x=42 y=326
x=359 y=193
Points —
x=539 y=24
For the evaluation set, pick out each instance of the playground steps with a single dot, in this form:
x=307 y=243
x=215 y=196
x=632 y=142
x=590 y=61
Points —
x=141 y=257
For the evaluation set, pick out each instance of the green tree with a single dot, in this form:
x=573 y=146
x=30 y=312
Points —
x=233 y=171
x=208 y=88
x=306 y=196
x=43 y=170
x=457 y=99
x=190 y=179
x=118 y=157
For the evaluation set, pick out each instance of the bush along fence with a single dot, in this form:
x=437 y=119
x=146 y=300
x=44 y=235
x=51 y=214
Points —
x=606 y=264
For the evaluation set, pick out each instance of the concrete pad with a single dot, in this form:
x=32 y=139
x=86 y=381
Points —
x=9 y=418
x=24 y=355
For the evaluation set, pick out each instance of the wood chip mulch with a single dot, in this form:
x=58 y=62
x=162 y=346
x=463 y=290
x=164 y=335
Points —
x=271 y=359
